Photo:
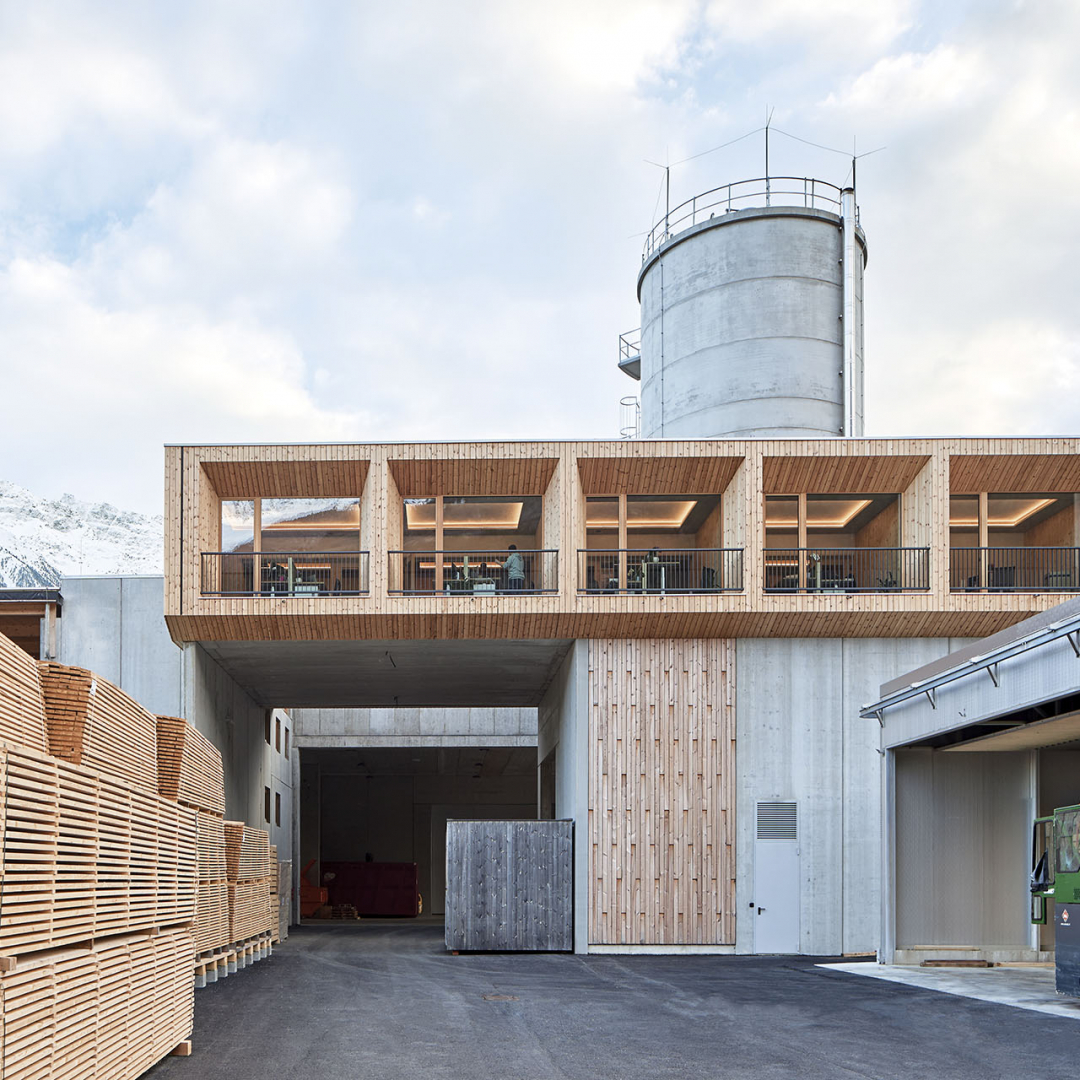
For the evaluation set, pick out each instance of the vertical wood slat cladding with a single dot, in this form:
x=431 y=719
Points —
x=662 y=791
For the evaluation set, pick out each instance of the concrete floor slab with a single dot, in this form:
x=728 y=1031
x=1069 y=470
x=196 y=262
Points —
x=1022 y=987
x=383 y=999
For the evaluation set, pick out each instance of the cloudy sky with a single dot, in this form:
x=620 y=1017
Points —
x=277 y=221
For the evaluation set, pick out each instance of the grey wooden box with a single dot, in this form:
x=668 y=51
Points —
x=510 y=886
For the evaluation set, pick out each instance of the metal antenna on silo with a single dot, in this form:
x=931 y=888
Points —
x=768 y=121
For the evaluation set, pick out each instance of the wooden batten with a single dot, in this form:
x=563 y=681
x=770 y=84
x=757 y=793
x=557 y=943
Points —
x=662 y=792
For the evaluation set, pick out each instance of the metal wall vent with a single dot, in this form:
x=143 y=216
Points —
x=777 y=821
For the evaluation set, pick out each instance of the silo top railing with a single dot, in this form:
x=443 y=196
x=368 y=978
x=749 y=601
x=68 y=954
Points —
x=763 y=191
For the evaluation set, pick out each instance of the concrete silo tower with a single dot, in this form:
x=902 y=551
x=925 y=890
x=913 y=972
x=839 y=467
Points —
x=751 y=314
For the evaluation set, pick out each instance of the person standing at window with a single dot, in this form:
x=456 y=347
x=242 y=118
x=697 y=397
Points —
x=515 y=569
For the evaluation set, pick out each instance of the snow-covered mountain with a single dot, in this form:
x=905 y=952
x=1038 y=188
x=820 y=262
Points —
x=40 y=539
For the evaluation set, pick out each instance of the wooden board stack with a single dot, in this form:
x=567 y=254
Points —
x=97 y=881
x=247 y=852
x=108 y=1010
x=83 y=855
x=189 y=767
x=190 y=771
x=22 y=709
x=91 y=722
x=252 y=881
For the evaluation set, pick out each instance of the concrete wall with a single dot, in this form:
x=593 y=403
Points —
x=116 y=627
x=799 y=737
x=563 y=730
x=416 y=727
x=741 y=330
x=236 y=725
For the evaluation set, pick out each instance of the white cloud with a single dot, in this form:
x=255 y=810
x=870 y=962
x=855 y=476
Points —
x=843 y=25
x=914 y=83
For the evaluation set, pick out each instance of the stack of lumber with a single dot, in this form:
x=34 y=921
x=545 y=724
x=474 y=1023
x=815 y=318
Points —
x=108 y=1010
x=212 y=906
x=189 y=767
x=93 y=723
x=22 y=710
x=252 y=881
x=83 y=855
x=284 y=898
x=212 y=929
x=249 y=909
x=247 y=852
x=97 y=874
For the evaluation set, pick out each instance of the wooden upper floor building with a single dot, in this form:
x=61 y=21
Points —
x=619 y=539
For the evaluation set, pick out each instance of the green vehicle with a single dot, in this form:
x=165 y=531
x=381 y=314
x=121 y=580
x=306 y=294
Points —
x=1056 y=874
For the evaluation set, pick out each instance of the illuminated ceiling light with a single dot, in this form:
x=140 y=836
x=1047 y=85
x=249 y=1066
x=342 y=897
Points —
x=465 y=515
x=606 y=515
x=848 y=511
x=1002 y=522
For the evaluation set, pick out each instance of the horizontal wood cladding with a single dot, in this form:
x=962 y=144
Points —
x=471 y=474
x=286 y=479
x=970 y=474
x=662 y=792
x=841 y=475
x=522 y=625
x=669 y=475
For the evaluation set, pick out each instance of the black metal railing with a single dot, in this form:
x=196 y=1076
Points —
x=475 y=573
x=1023 y=569
x=301 y=574
x=818 y=570
x=660 y=570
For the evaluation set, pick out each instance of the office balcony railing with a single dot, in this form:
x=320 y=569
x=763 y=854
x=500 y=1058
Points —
x=303 y=574
x=660 y=570
x=846 y=570
x=1018 y=569
x=473 y=573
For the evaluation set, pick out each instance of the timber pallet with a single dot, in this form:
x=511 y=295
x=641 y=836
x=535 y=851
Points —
x=214 y=965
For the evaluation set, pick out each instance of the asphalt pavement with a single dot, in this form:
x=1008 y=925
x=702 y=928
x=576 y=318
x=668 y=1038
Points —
x=385 y=1000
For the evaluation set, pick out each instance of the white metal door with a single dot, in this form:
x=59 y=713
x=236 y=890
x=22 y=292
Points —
x=776 y=878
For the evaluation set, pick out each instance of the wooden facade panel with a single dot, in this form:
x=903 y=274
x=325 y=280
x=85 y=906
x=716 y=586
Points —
x=667 y=475
x=841 y=475
x=662 y=792
x=469 y=474
x=1053 y=472
x=329 y=476
x=510 y=886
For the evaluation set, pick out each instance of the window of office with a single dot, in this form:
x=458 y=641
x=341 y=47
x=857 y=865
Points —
x=266 y=804
x=473 y=522
x=277 y=734
x=286 y=744
x=310 y=525
x=277 y=809
x=237 y=525
x=602 y=521
x=858 y=521
x=1046 y=519
x=670 y=522
x=266 y=727
x=782 y=521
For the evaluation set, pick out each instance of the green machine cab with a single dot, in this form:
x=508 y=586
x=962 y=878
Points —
x=1056 y=874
